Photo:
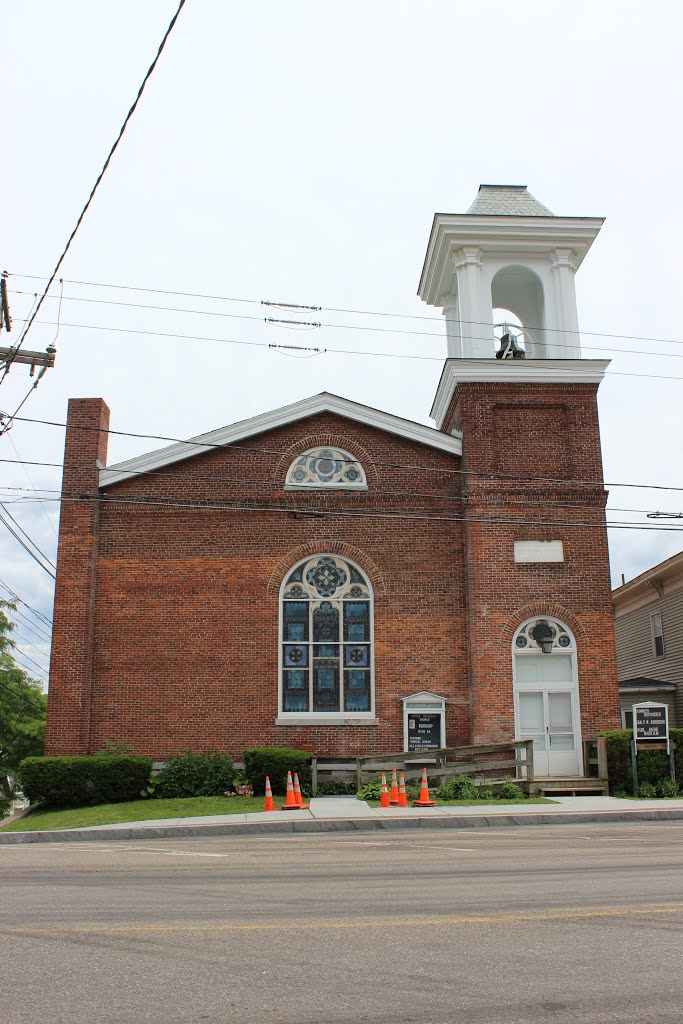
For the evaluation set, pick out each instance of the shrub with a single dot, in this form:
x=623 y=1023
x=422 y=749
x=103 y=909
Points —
x=335 y=787
x=462 y=788
x=653 y=765
x=372 y=790
x=207 y=774
x=484 y=792
x=668 y=788
x=646 y=790
x=510 y=791
x=276 y=762
x=81 y=781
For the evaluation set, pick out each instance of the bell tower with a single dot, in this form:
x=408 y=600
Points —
x=507 y=252
x=534 y=531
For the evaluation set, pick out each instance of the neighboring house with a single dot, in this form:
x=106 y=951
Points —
x=306 y=577
x=649 y=633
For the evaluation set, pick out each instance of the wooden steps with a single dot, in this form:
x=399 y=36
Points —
x=569 y=787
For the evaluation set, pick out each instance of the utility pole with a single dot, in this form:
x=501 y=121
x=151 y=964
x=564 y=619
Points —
x=11 y=355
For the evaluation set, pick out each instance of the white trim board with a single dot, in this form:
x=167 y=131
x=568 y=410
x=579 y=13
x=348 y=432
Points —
x=323 y=402
x=512 y=371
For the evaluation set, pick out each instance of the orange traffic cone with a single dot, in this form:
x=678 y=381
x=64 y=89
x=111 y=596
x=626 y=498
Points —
x=393 y=795
x=297 y=794
x=424 y=800
x=269 y=805
x=384 y=799
x=290 y=803
x=402 y=798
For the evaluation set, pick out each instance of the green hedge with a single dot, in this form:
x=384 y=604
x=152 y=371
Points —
x=81 y=781
x=653 y=765
x=195 y=775
x=276 y=762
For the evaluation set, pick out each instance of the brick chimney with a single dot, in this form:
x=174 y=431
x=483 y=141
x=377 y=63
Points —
x=85 y=452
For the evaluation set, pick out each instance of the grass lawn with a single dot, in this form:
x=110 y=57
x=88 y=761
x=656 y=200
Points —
x=137 y=810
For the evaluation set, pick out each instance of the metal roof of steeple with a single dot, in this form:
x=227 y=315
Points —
x=507 y=201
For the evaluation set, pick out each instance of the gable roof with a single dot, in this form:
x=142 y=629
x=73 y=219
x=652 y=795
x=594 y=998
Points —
x=507 y=201
x=323 y=402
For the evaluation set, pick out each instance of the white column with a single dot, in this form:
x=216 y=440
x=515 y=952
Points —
x=454 y=332
x=477 y=339
x=564 y=341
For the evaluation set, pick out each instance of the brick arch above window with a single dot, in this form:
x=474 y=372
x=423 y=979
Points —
x=543 y=609
x=325 y=547
x=325 y=440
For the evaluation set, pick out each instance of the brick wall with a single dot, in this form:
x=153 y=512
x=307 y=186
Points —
x=166 y=619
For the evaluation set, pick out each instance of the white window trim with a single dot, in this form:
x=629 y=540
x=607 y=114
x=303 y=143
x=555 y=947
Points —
x=331 y=485
x=655 y=634
x=522 y=652
x=325 y=717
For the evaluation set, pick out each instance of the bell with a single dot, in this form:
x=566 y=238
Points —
x=509 y=349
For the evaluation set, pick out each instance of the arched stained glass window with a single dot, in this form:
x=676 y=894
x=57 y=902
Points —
x=326 y=467
x=326 y=639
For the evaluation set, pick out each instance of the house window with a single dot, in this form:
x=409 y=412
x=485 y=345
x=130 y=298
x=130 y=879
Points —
x=326 y=467
x=326 y=656
x=626 y=719
x=657 y=635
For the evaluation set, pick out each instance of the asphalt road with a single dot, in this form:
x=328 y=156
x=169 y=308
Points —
x=515 y=926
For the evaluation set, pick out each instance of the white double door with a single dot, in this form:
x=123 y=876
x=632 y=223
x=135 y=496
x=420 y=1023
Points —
x=547 y=712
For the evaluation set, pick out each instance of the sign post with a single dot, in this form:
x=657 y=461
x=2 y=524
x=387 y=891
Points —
x=650 y=732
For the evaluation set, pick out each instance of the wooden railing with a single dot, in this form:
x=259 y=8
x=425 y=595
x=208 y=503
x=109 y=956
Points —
x=595 y=758
x=443 y=763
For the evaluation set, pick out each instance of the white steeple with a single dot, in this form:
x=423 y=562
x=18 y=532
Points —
x=507 y=252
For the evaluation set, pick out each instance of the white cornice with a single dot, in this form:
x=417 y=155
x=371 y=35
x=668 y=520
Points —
x=279 y=418
x=498 y=234
x=512 y=371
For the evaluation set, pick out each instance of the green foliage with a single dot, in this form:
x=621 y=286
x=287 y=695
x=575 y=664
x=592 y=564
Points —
x=207 y=774
x=115 y=747
x=83 y=781
x=372 y=790
x=484 y=792
x=647 y=790
x=22 y=713
x=510 y=791
x=276 y=762
x=461 y=788
x=335 y=787
x=653 y=765
x=668 y=788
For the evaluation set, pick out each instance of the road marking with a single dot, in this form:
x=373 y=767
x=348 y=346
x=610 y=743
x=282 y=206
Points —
x=644 y=910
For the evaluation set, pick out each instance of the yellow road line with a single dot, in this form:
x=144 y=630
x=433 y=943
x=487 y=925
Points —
x=643 y=910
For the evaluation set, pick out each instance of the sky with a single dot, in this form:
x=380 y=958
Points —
x=296 y=152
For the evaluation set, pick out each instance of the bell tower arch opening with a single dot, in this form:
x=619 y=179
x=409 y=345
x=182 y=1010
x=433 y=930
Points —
x=518 y=300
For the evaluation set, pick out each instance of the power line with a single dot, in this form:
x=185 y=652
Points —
x=352 y=312
x=371 y=462
x=24 y=546
x=354 y=327
x=382 y=514
x=26 y=473
x=37 y=614
x=430 y=496
x=21 y=696
x=28 y=658
x=29 y=624
x=100 y=176
x=374 y=354
x=25 y=534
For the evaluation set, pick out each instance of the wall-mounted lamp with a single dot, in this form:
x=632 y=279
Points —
x=543 y=634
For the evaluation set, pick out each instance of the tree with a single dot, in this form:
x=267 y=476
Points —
x=22 y=712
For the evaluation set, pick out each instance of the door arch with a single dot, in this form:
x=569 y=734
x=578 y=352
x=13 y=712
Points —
x=546 y=695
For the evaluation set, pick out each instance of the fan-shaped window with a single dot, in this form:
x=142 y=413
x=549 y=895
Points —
x=326 y=467
x=326 y=639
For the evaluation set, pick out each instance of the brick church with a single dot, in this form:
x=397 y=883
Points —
x=315 y=576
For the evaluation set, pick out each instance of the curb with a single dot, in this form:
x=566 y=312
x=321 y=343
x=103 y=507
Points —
x=316 y=825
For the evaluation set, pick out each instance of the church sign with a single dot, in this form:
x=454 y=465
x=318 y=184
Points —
x=424 y=722
x=651 y=723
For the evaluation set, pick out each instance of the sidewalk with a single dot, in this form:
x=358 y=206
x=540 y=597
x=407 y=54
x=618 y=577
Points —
x=346 y=814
